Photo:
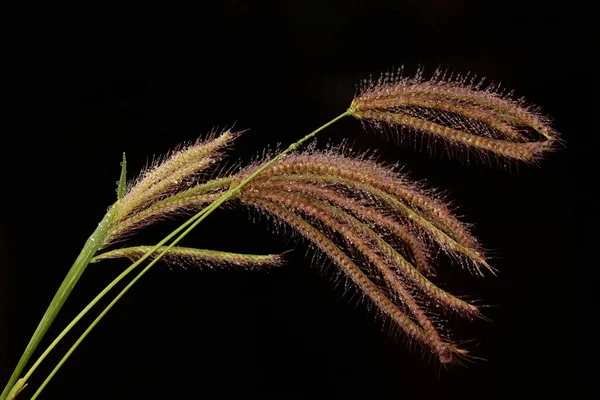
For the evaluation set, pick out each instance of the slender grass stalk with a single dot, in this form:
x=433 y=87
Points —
x=190 y=224
x=91 y=246
x=89 y=249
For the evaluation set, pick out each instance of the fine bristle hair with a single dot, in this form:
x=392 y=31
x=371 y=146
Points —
x=461 y=111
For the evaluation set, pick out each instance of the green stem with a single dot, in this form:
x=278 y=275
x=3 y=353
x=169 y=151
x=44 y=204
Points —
x=190 y=225
x=98 y=298
x=89 y=249
x=88 y=330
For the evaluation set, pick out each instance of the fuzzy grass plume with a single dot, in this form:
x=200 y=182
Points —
x=377 y=226
x=173 y=173
x=459 y=111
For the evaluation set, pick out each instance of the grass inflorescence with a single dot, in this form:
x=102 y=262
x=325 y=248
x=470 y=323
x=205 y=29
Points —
x=379 y=228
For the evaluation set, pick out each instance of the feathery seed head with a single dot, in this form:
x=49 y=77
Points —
x=163 y=190
x=373 y=223
x=174 y=172
x=387 y=190
x=458 y=111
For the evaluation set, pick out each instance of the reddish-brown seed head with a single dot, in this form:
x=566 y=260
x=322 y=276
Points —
x=458 y=111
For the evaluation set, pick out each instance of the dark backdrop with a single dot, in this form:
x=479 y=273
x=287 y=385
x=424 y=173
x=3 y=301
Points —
x=82 y=86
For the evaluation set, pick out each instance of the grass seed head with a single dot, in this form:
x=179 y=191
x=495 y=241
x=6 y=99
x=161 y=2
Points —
x=458 y=110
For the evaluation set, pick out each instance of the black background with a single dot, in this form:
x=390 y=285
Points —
x=82 y=86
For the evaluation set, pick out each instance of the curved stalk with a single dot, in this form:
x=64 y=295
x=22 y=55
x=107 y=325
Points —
x=90 y=247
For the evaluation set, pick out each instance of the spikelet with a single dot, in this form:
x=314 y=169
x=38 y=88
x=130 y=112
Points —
x=457 y=111
x=184 y=256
